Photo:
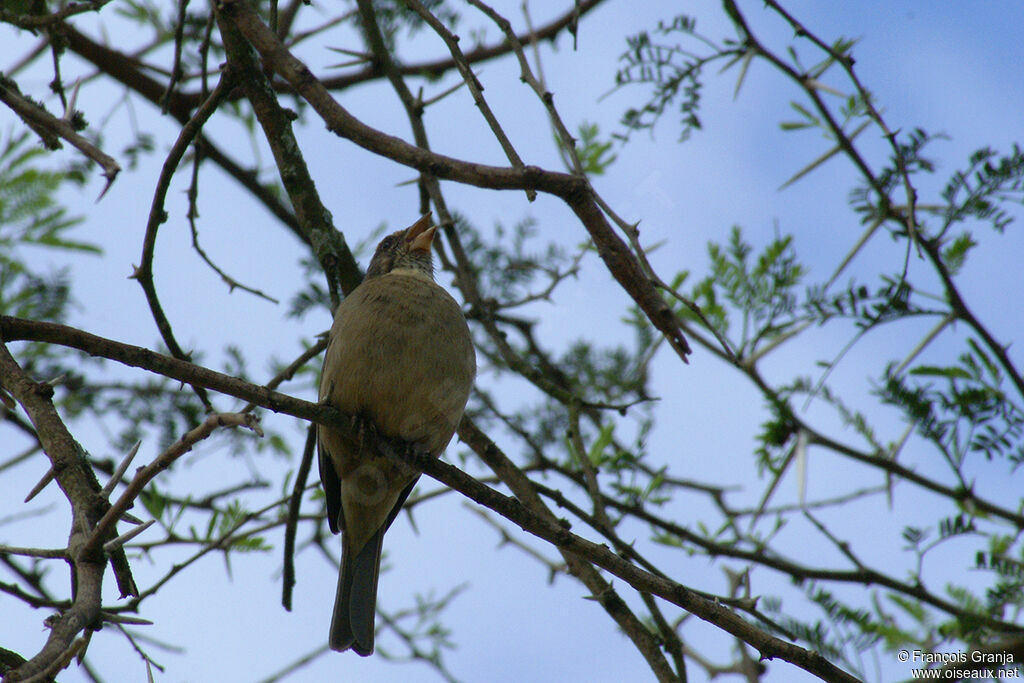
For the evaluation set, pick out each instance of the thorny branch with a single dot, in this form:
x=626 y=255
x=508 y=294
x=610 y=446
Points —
x=626 y=262
x=545 y=527
x=50 y=128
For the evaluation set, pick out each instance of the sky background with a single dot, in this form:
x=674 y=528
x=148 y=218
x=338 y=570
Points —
x=954 y=68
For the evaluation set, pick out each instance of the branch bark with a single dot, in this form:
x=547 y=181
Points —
x=545 y=528
x=572 y=189
x=79 y=484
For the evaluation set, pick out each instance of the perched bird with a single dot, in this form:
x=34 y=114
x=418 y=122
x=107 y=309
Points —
x=400 y=361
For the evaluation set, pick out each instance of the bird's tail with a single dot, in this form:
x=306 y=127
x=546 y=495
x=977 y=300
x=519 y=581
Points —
x=355 y=604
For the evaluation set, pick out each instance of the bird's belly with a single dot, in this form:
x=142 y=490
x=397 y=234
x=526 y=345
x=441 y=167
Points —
x=412 y=364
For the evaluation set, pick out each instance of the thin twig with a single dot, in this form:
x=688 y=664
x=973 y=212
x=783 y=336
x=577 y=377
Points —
x=146 y=474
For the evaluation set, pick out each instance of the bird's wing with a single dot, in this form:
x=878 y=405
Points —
x=332 y=487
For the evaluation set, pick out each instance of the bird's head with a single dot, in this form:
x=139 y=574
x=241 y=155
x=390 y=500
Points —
x=407 y=249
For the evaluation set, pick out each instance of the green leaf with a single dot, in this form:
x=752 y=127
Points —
x=956 y=253
x=154 y=502
x=935 y=371
x=911 y=607
x=604 y=438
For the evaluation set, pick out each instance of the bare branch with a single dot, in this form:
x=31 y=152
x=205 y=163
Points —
x=146 y=474
x=50 y=128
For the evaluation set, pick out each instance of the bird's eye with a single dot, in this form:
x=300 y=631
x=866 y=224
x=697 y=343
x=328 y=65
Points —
x=387 y=243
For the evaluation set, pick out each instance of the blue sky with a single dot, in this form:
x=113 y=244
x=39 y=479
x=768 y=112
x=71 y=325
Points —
x=947 y=67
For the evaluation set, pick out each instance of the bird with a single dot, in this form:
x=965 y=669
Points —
x=400 y=364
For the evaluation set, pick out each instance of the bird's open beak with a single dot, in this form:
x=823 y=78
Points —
x=420 y=234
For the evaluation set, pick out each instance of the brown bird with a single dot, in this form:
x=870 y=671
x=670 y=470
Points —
x=400 y=361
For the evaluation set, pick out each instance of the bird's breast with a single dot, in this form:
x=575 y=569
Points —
x=401 y=355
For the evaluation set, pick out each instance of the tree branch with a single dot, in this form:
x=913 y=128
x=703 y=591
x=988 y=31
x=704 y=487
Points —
x=544 y=528
x=49 y=128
